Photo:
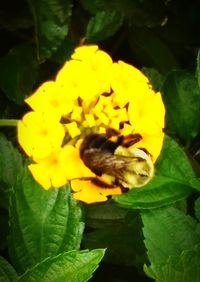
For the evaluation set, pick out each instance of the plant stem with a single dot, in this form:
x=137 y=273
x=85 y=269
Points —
x=8 y=122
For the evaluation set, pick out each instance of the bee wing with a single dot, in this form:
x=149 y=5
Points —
x=100 y=161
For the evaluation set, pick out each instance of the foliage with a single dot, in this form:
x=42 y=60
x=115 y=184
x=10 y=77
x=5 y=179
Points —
x=149 y=233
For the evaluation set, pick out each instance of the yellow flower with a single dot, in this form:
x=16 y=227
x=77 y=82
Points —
x=91 y=95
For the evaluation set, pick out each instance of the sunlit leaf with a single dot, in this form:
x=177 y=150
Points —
x=67 y=267
x=161 y=191
x=168 y=231
x=184 y=268
x=181 y=96
x=42 y=223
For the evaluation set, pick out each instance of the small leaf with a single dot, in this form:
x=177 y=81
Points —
x=184 y=268
x=181 y=96
x=174 y=163
x=167 y=232
x=7 y=272
x=67 y=267
x=42 y=223
x=103 y=25
x=51 y=18
x=18 y=70
x=170 y=184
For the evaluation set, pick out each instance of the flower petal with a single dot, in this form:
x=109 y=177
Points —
x=88 y=192
x=39 y=134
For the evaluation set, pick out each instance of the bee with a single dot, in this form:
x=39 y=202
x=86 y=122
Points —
x=115 y=162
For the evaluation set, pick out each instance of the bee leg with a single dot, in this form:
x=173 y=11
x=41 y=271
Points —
x=131 y=140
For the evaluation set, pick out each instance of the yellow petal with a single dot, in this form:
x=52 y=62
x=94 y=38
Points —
x=152 y=143
x=39 y=134
x=88 y=192
x=49 y=172
x=83 y=52
x=72 y=163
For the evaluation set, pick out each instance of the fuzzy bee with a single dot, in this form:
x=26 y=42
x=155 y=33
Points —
x=115 y=163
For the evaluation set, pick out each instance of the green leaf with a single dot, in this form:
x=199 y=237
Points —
x=67 y=267
x=63 y=52
x=10 y=162
x=181 y=96
x=18 y=70
x=161 y=191
x=197 y=208
x=168 y=164
x=184 y=268
x=168 y=231
x=122 y=238
x=195 y=183
x=10 y=166
x=42 y=223
x=51 y=19
x=7 y=272
x=170 y=184
x=103 y=25
x=155 y=77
